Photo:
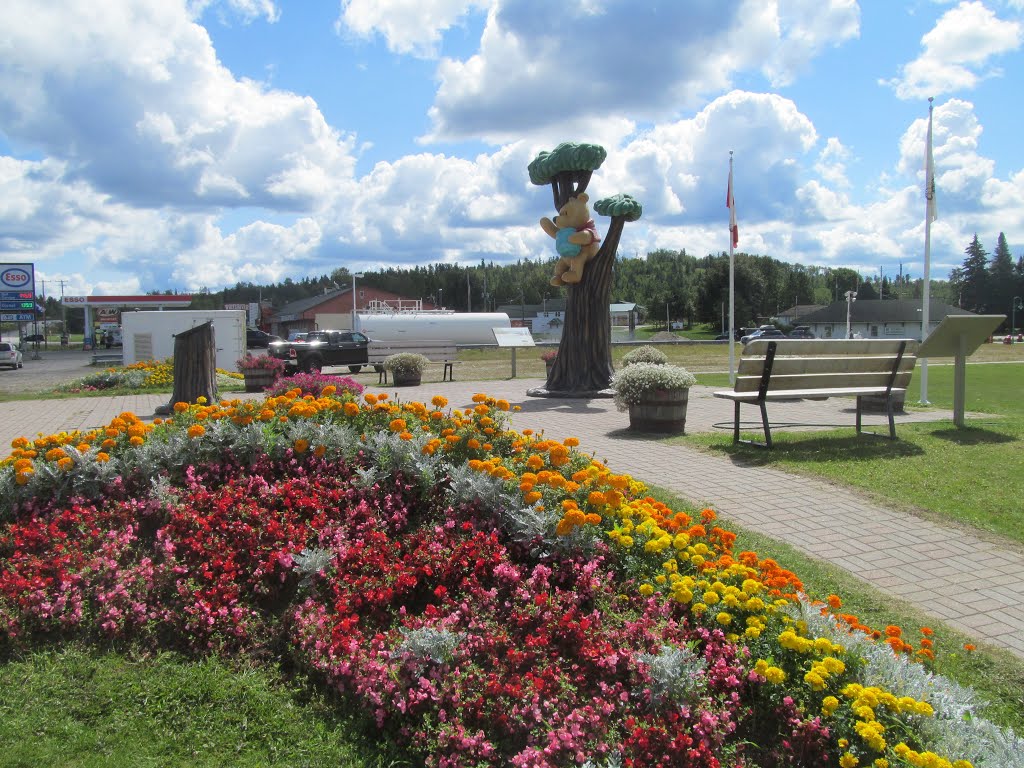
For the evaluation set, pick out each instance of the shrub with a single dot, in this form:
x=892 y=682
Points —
x=406 y=364
x=646 y=354
x=313 y=384
x=632 y=383
x=549 y=355
x=251 y=362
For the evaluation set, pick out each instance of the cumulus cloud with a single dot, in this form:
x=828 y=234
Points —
x=408 y=26
x=641 y=61
x=958 y=52
x=248 y=10
x=131 y=96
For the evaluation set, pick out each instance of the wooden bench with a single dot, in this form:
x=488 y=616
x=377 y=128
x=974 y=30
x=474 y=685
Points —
x=792 y=369
x=107 y=358
x=436 y=351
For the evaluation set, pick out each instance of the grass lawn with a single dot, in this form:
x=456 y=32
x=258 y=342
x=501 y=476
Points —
x=87 y=707
x=967 y=476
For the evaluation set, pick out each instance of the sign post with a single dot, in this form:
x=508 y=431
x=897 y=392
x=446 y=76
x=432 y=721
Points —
x=958 y=336
x=513 y=338
x=18 y=295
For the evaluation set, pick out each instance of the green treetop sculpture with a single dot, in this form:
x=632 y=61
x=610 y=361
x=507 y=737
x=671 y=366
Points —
x=583 y=367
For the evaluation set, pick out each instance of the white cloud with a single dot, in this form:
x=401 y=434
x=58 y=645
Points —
x=642 y=62
x=132 y=97
x=407 y=26
x=957 y=52
x=249 y=10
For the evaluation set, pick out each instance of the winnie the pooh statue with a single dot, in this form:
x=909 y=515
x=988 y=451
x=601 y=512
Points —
x=576 y=239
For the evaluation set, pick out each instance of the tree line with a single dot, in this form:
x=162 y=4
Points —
x=667 y=284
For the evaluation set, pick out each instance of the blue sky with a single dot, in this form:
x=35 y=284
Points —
x=182 y=144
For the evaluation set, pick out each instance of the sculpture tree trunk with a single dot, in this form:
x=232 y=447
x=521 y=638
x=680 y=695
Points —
x=195 y=365
x=583 y=367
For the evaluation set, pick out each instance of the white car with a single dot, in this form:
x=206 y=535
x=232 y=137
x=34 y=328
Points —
x=10 y=355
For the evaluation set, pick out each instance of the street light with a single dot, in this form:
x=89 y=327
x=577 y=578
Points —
x=851 y=296
x=354 y=295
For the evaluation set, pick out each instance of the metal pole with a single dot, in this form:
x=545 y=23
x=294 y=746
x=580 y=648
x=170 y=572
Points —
x=731 y=203
x=930 y=213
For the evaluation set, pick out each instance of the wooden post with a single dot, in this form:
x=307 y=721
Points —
x=195 y=365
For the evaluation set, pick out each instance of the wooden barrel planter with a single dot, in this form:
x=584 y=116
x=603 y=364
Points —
x=661 y=410
x=259 y=379
x=406 y=379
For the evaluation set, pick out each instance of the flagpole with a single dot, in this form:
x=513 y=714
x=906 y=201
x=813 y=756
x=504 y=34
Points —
x=930 y=214
x=731 y=204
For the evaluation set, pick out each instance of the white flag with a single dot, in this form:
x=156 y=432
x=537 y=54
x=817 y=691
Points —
x=929 y=174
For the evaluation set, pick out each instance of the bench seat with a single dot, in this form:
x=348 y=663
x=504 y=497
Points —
x=789 y=369
x=444 y=352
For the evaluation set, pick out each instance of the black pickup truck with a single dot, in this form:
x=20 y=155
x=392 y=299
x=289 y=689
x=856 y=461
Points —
x=321 y=349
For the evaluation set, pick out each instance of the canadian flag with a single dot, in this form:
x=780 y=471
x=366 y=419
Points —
x=730 y=203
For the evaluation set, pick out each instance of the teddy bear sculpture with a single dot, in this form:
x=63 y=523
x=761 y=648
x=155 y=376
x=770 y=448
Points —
x=576 y=239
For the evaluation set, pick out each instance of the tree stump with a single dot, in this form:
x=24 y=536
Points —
x=195 y=366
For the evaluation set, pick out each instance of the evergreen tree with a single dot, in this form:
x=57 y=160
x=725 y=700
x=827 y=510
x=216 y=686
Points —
x=1001 y=279
x=971 y=281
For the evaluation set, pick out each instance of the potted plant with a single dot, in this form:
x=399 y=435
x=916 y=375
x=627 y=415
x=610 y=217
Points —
x=406 y=368
x=655 y=396
x=260 y=371
x=645 y=354
x=549 y=356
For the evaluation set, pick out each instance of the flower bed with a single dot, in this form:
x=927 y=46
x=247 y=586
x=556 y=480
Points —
x=489 y=597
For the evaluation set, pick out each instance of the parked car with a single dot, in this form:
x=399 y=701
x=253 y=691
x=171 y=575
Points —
x=763 y=333
x=801 y=332
x=34 y=337
x=254 y=337
x=322 y=348
x=10 y=355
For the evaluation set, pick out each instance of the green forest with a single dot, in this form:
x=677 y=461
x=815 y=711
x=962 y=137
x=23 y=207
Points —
x=666 y=284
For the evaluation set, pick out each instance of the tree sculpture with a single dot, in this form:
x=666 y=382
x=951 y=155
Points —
x=195 y=367
x=583 y=367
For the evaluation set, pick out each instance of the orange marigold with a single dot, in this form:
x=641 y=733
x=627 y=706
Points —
x=196 y=430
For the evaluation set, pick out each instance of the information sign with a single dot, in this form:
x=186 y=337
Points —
x=21 y=317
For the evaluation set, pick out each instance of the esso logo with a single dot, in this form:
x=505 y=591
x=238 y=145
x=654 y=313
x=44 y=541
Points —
x=76 y=299
x=16 y=277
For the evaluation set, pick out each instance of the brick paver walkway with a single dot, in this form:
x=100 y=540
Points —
x=969 y=582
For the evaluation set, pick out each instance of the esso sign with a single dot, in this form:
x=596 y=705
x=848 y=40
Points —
x=76 y=299
x=15 y=277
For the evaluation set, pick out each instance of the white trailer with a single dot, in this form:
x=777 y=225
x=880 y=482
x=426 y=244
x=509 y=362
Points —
x=456 y=327
x=150 y=335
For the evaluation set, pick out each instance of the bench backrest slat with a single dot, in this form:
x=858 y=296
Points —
x=823 y=381
x=437 y=351
x=826 y=364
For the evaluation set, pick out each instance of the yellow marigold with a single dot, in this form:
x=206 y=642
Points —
x=848 y=761
x=196 y=430
x=775 y=675
x=646 y=590
x=723 y=618
x=180 y=407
